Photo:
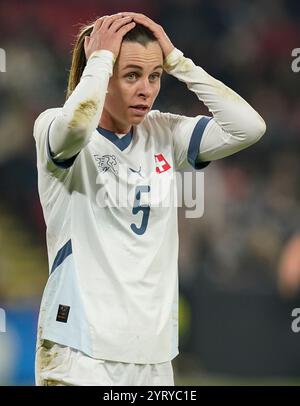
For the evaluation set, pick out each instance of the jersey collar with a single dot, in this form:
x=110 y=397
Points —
x=121 y=143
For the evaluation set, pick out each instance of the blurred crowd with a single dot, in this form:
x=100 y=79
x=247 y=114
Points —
x=251 y=199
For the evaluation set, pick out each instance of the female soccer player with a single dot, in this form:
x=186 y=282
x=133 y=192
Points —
x=109 y=310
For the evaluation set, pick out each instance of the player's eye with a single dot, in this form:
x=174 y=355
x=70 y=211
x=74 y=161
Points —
x=154 y=76
x=131 y=76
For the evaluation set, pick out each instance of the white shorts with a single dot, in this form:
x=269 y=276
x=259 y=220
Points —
x=58 y=365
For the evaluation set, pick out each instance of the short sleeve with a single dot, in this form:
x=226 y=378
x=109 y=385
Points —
x=187 y=133
x=41 y=131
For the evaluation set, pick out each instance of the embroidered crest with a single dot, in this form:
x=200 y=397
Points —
x=107 y=163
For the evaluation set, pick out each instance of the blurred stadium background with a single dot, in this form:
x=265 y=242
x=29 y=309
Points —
x=235 y=324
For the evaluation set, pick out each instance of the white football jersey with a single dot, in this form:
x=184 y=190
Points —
x=112 y=238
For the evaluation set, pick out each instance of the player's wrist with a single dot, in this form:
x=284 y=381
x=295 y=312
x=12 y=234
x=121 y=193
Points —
x=172 y=59
x=103 y=53
x=100 y=62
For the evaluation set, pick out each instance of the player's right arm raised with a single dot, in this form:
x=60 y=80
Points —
x=80 y=115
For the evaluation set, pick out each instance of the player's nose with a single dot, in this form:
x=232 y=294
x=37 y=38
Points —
x=145 y=88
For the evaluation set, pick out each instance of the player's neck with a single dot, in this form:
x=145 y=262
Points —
x=108 y=123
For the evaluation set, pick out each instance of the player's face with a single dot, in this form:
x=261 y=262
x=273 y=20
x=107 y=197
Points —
x=134 y=85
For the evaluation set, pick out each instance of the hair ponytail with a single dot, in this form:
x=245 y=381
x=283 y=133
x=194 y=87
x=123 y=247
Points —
x=78 y=59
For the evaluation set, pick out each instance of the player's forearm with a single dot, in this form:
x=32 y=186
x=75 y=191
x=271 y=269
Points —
x=235 y=124
x=81 y=113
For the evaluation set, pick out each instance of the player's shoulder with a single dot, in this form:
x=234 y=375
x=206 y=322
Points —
x=158 y=115
x=167 y=116
x=170 y=120
x=44 y=119
x=157 y=118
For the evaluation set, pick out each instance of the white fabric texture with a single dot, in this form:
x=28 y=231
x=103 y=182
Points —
x=57 y=365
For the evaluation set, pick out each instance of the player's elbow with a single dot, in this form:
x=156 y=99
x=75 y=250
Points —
x=256 y=129
x=66 y=140
x=78 y=135
x=79 y=121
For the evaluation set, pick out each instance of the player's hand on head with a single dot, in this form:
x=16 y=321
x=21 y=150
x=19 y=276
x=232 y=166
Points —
x=158 y=31
x=108 y=33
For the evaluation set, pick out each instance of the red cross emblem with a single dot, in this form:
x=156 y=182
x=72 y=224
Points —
x=161 y=164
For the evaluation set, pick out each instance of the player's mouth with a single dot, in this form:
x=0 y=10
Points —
x=140 y=109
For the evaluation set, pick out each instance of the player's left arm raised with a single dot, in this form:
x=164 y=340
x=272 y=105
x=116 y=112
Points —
x=235 y=124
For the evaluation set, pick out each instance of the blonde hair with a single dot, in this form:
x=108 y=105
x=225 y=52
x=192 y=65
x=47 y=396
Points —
x=78 y=58
x=139 y=33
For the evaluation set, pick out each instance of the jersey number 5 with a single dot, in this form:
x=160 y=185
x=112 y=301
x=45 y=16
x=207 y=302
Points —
x=137 y=208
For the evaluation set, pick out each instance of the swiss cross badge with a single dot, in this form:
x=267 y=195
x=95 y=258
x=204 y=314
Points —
x=161 y=164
